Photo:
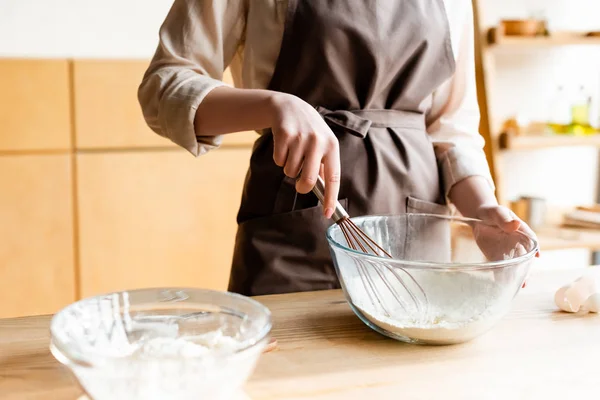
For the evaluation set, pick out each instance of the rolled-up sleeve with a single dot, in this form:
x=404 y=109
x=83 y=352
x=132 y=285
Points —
x=197 y=41
x=453 y=120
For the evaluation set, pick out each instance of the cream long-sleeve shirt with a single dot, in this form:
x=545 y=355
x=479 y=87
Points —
x=199 y=39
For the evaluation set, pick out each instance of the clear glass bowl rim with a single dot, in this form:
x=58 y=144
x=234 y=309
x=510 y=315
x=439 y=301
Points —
x=432 y=264
x=81 y=360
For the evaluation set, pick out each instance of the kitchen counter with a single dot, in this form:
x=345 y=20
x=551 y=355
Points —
x=325 y=352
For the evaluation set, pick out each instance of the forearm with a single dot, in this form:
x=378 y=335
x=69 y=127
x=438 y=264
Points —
x=471 y=194
x=227 y=110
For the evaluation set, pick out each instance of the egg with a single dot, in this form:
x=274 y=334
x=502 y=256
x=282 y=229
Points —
x=583 y=293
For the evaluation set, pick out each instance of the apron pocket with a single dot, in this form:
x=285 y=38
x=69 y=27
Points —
x=428 y=239
x=282 y=253
x=418 y=206
x=310 y=213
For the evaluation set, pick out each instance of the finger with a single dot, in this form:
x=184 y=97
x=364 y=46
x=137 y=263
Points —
x=526 y=229
x=520 y=250
x=280 y=149
x=504 y=219
x=529 y=232
x=293 y=163
x=310 y=170
x=332 y=172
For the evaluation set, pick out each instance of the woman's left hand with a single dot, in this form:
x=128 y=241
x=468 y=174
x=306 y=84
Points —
x=504 y=219
x=507 y=221
x=497 y=238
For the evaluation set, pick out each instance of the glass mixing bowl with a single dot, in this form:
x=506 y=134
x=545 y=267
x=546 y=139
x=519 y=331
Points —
x=161 y=343
x=450 y=280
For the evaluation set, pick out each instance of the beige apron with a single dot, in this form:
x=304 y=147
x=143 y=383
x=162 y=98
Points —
x=367 y=66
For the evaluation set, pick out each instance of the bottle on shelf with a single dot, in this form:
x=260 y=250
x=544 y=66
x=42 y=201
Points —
x=597 y=109
x=559 y=116
x=580 y=114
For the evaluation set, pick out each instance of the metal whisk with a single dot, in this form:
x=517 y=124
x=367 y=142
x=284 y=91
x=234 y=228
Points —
x=358 y=240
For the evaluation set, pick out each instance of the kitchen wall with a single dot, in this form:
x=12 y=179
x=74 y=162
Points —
x=128 y=29
x=80 y=28
x=91 y=200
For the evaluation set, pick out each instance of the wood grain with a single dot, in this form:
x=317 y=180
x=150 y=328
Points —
x=485 y=73
x=482 y=92
x=34 y=105
x=540 y=141
x=158 y=218
x=326 y=353
x=36 y=234
x=564 y=38
x=24 y=347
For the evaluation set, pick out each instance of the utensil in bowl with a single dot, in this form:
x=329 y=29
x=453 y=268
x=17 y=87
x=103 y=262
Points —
x=358 y=240
x=161 y=343
x=469 y=270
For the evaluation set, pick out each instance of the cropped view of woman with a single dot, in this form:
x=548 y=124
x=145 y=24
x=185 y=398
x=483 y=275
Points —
x=378 y=96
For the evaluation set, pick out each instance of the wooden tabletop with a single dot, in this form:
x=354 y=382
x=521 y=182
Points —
x=325 y=352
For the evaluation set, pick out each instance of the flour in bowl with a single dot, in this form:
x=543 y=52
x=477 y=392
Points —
x=433 y=333
x=461 y=305
x=206 y=366
x=188 y=347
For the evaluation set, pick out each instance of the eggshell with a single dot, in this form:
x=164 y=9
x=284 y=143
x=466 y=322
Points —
x=561 y=300
x=593 y=303
x=583 y=292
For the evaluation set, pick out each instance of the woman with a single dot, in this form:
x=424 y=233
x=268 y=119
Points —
x=377 y=95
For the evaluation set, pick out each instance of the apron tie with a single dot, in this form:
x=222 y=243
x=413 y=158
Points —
x=346 y=120
x=358 y=122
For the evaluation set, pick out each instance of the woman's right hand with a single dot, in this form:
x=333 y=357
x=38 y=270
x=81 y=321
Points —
x=304 y=142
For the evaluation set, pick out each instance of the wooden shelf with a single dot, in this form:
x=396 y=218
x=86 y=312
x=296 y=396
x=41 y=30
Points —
x=555 y=235
x=560 y=238
x=555 y=39
x=536 y=141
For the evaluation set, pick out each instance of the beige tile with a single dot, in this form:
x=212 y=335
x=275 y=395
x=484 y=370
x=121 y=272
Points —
x=107 y=112
x=160 y=218
x=37 y=273
x=34 y=105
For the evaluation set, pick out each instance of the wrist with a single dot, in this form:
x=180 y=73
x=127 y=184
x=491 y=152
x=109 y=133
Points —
x=472 y=196
x=277 y=103
x=481 y=210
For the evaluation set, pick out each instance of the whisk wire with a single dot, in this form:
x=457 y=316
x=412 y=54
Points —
x=369 y=284
x=357 y=239
x=375 y=248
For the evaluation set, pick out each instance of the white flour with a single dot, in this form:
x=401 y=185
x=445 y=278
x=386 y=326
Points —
x=440 y=333
x=461 y=306
x=190 y=347
x=171 y=367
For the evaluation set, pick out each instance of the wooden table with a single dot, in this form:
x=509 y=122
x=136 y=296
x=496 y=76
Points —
x=325 y=352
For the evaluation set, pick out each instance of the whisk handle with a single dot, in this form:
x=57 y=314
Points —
x=319 y=191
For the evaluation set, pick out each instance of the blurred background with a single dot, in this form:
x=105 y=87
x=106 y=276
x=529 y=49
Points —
x=92 y=201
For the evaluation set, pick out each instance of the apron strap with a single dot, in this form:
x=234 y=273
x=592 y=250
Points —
x=358 y=122
x=346 y=120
